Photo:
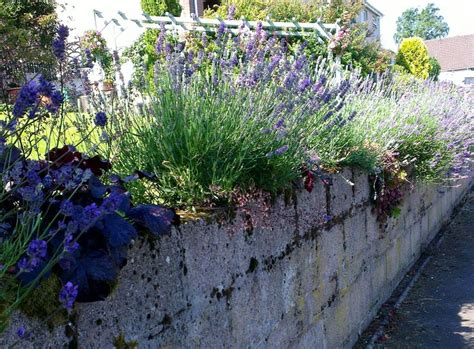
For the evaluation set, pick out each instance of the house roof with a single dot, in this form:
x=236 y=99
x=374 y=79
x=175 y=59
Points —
x=454 y=53
x=373 y=9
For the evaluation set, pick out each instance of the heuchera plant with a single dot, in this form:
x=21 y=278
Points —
x=87 y=225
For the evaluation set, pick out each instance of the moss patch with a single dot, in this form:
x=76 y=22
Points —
x=120 y=343
x=43 y=303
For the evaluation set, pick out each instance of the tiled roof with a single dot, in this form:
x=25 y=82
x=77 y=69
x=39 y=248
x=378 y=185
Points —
x=455 y=53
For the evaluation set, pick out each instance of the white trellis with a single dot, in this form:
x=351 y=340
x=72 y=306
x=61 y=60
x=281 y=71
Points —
x=324 y=31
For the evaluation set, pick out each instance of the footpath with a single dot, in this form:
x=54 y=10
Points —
x=439 y=310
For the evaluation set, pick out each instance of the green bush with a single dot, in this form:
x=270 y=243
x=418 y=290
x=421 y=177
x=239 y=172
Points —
x=160 y=7
x=435 y=68
x=413 y=57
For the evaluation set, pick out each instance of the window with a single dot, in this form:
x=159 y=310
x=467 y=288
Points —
x=469 y=80
x=365 y=16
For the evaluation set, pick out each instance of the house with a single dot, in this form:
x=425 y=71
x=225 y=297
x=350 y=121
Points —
x=456 y=57
x=371 y=16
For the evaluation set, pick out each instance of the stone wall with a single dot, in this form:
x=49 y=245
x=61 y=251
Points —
x=292 y=280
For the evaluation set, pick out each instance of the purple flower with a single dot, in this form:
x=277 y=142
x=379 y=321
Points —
x=326 y=218
x=100 y=119
x=59 y=44
x=89 y=215
x=37 y=249
x=21 y=332
x=231 y=12
x=27 y=97
x=33 y=178
x=281 y=150
x=69 y=244
x=161 y=39
x=66 y=208
x=290 y=79
x=30 y=194
x=68 y=295
x=303 y=85
x=204 y=39
x=24 y=265
x=56 y=101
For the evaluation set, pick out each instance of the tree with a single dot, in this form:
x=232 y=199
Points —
x=426 y=24
x=27 y=29
x=413 y=57
x=435 y=68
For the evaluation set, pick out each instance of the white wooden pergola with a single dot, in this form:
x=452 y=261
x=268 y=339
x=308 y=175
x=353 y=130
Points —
x=324 y=31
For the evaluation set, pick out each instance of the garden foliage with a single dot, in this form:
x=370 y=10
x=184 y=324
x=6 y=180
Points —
x=228 y=115
x=255 y=112
x=63 y=214
x=27 y=29
x=413 y=57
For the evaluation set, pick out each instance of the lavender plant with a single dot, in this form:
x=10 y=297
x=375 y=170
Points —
x=252 y=113
x=246 y=115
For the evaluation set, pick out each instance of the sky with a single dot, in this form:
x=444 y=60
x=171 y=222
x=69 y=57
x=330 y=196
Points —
x=459 y=14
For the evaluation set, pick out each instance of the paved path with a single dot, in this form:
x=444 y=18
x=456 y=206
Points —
x=439 y=311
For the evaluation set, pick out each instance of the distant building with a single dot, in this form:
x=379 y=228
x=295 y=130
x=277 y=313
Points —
x=456 y=57
x=371 y=16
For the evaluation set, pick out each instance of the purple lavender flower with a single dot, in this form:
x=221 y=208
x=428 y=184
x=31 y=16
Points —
x=231 y=12
x=161 y=39
x=327 y=218
x=56 y=101
x=304 y=84
x=100 y=119
x=281 y=150
x=26 y=99
x=290 y=80
x=70 y=245
x=204 y=39
x=37 y=249
x=66 y=207
x=33 y=178
x=23 y=265
x=59 y=44
x=300 y=62
x=30 y=194
x=68 y=295
x=21 y=332
x=44 y=86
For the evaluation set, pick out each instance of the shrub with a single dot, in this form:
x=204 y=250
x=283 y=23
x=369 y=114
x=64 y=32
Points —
x=160 y=7
x=413 y=57
x=435 y=68
x=95 y=48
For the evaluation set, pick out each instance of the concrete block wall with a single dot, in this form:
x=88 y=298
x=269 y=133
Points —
x=293 y=281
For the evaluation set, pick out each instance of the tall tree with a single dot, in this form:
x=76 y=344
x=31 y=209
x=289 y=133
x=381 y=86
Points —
x=426 y=24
